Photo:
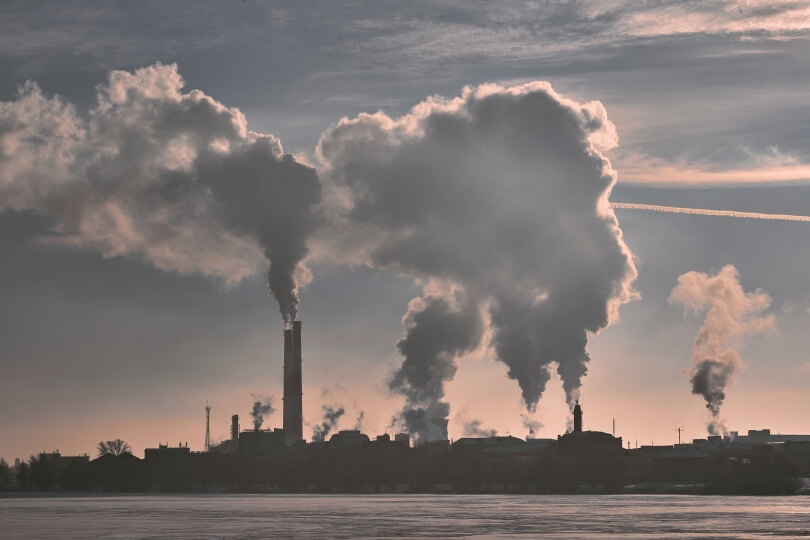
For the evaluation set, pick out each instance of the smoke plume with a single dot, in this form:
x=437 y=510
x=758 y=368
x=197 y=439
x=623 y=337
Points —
x=531 y=424
x=358 y=424
x=170 y=177
x=437 y=330
x=331 y=415
x=473 y=428
x=502 y=192
x=731 y=314
x=261 y=408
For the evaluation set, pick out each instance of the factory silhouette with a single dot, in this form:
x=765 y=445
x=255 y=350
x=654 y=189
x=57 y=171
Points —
x=280 y=460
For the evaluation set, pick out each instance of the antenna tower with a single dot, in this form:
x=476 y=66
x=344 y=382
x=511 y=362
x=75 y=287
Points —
x=207 y=427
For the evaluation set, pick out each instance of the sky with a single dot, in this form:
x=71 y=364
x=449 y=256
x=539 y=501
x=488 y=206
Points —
x=442 y=217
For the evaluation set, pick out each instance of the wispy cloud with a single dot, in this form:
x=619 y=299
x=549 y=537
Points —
x=766 y=168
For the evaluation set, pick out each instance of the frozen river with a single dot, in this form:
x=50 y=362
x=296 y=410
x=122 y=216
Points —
x=404 y=516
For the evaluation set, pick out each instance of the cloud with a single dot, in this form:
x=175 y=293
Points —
x=502 y=192
x=173 y=178
x=780 y=18
x=731 y=314
x=646 y=171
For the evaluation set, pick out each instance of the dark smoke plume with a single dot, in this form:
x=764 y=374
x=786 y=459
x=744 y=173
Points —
x=358 y=424
x=261 y=408
x=503 y=193
x=731 y=314
x=331 y=415
x=437 y=330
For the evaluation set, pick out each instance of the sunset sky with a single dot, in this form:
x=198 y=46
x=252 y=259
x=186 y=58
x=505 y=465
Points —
x=127 y=300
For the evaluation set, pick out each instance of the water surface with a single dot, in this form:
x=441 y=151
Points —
x=404 y=516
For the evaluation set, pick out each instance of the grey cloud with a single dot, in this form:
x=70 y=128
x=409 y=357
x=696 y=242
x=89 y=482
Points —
x=502 y=191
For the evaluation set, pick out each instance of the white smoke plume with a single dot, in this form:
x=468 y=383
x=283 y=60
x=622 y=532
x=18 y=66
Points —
x=475 y=428
x=731 y=314
x=531 y=424
x=502 y=192
x=173 y=178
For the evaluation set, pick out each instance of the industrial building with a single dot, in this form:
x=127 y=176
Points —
x=579 y=442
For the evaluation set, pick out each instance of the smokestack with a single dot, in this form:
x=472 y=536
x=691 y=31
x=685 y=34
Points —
x=577 y=418
x=293 y=408
x=235 y=427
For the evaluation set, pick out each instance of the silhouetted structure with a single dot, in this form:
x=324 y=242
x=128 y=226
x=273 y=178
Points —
x=581 y=461
x=293 y=393
x=207 y=427
x=580 y=442
x=235 y=428
x=262 y=442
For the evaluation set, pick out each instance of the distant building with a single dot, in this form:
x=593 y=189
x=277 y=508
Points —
x=482 y=444
x=164 y=452
x=683 y=462
x=403 y=438
x=262 y=442
x=58 y=463
x=348 y=439
x=505 y=448
x=59 y=469
x=580 y=442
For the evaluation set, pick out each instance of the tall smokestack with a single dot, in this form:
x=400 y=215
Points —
x=293 y=415
x=235 y=427
x=577 y=418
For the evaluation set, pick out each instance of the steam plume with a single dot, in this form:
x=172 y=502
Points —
x=473 y=428
x=731 y=314
x=531 y=424
x=175 y=179
x=262 y=407
x=437 y=329
x=331 y=415
x=502 y=192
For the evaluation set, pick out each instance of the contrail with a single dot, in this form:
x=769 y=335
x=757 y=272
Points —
x=708 y=212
